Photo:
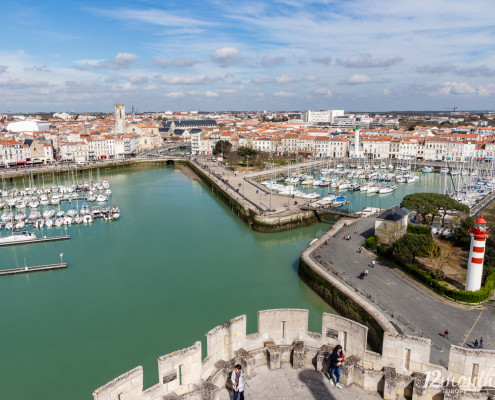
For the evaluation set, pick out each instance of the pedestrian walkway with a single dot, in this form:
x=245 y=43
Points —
x=408 y=305
x=294 y=384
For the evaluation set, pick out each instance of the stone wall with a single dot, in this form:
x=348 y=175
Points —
x=401 y=369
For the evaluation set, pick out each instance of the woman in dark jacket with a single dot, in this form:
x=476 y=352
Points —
x=335 y=363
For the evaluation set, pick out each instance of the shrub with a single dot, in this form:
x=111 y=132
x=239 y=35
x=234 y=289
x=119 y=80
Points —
x=371 y=243
x=442 y=289
x=419 y=230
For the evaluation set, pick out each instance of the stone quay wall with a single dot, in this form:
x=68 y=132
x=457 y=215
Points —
x=247 y=211
x=284 y=341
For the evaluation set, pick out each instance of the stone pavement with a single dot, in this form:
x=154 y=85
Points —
x=296 y=384
x=256 y=193
x=411 y=307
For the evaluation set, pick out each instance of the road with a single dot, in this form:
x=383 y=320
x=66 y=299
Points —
x=415 y=309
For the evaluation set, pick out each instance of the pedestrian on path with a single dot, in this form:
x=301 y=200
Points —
x=446 y=334
x=476 y=344
x=239 y=382
x=335 y=365
x=373 y=264
x=366 y=273
x=481 y=343
x=359 y=250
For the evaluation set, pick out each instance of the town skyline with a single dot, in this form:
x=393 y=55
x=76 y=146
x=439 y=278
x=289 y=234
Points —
x=271 y=55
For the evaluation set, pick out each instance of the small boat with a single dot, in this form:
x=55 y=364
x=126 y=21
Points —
x=101 y=198
x=427 y=169
x=48 y=214
x=18 y=238
x=39 y=223
x=49 y=223
x=78 y=219
x=87 y=219
x=59 y=222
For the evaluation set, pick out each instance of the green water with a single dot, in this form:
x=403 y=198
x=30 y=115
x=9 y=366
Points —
x=175 y=265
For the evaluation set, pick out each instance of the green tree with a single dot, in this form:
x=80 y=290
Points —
x=429 y=205
x=222 y=147
x=411 y=245
x=421 y=204
x=245 y=151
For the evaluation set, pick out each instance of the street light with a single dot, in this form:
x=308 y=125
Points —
x=61 y=258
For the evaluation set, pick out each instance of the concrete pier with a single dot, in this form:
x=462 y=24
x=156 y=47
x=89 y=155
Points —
x=49 y=267
x=37 y=240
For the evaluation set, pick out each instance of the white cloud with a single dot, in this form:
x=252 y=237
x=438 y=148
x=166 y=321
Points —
x=365 y=60
x=284 y=94
x=356 y=79
x=284 y=79
x=191 y=80
x=310 y=78
x=225 y=56
x=182 y=62
x=210 y=93
x=268 y=61
x=174 y=95
x=120 y=61
x=322 y=60
x=321 y=91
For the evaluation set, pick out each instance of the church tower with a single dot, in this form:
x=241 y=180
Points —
x=119 y=118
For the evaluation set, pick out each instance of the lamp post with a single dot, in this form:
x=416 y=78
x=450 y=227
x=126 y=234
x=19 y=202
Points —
x=61 y=258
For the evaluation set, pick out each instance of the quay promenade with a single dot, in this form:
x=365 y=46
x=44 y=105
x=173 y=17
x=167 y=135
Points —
x=412 y=308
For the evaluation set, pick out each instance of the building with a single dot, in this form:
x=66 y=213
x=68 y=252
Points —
x=321 y=117
x=30 y=125
x=119 y=118
x=391 y=225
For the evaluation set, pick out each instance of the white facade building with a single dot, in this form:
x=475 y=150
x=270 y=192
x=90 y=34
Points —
x=323 y=116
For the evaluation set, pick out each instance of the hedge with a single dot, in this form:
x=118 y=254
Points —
x=420 y=230
x=442 y=289
x=371 y=243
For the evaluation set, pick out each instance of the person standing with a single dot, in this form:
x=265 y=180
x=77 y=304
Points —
x=373 y=264
x=446 y=334
x=239 y=382
x=335 y=365
x=481 y=343
x=476 y=343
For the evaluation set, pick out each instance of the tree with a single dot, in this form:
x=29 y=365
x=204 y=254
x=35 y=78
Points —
x=431 y=205
x=222 y=147
x=245 y=151
x=411 y=245
x=422 y=204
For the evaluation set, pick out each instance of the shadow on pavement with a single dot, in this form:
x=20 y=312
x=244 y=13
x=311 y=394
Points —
x=317 y=384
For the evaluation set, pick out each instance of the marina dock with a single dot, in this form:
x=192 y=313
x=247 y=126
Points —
x=37 y=240
x=49 y=267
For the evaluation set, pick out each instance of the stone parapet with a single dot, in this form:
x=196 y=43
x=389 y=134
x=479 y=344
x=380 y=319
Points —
x=283 y=341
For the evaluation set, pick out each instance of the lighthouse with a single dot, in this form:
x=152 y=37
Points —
x=479 y=234
x=356 y=142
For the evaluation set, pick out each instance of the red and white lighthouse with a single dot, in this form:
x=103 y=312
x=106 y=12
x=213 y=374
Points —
x=479 y=234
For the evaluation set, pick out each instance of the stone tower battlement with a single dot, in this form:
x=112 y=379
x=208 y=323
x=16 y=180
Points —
x=283 y=340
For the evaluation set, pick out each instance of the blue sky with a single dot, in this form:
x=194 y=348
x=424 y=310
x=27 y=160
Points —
x=374 y=55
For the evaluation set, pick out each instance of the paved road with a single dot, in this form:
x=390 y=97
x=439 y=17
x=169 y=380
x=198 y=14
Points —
x=411 y=303
x=297 y=384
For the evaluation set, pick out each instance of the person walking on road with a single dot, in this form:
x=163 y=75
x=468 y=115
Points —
x=239 y=382
x=335 y=365
x=373 y=264
x=446 y=334
x=481 y=343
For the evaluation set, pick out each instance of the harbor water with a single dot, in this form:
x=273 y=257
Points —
x=177 y=263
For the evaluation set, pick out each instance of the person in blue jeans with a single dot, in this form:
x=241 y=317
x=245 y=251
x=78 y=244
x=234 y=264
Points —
x=239 y=382
x=335 y=364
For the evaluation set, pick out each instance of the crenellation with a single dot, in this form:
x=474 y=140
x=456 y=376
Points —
x=401 y=370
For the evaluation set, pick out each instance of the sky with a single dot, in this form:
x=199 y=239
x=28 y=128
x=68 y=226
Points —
x=216 y=55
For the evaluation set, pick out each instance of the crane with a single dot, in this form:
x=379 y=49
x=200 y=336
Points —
x=451 y=108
